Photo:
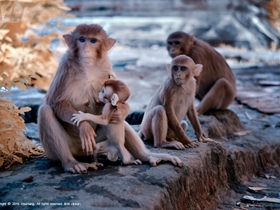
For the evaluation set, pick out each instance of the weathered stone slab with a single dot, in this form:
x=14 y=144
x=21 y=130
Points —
x=202 y=183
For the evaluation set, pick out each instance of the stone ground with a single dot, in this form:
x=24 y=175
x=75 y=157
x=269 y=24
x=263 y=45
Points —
x=214 y=175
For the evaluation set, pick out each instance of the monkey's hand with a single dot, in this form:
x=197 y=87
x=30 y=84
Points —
x=188 y=143
x=205 y=140
x=78 y=118
x=192 y=144
x=87 y=136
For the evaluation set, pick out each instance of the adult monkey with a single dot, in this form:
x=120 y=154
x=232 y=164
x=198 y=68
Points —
x=79 y=77
x=216 y=86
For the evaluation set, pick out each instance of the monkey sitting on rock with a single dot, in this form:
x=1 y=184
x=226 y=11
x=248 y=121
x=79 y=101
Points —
x=79 y=78
x=216 y=87
x=163 y=118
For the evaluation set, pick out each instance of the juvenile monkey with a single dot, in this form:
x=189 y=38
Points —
x=114 y=95
x=163 y=118
x=79 y=78
x=216 y=84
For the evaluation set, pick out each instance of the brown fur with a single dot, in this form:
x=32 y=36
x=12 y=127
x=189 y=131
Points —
x=163 y=120
x=119 y=88
x=114 y=146
x=216 y=85
x=79 y=77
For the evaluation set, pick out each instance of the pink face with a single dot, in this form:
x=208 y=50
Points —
x=88 y=46
x=180 y=73
x=106 y=94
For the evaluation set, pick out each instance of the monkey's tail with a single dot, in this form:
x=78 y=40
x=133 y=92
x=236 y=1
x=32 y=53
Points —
x=138 y=150
x=135 y=145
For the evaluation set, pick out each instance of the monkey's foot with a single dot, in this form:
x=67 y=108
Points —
x=205 y=140
x=132 y=162
x=155 y=159
x=98 y=164
x=173 y=144
x=192 y=145
x=137 y=162
x=78 y=167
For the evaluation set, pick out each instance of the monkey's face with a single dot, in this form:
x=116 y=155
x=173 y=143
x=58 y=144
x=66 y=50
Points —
x=183 y=69
x=174 y=47
x=179 y=43
x=106 y=94
x=181 y=74
x=88 y=46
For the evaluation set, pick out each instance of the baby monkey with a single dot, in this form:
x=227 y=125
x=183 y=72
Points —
x=114 y=94
x=163 y=121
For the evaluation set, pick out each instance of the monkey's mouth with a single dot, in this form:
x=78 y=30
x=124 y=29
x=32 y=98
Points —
x=172 y=55
x=88 y=58
x=178 y=81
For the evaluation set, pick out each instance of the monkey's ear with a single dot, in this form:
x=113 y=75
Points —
x=168 y=67
x=191 y=39
x=114 y=99
x=110 y=43
x=67 y=38
x=112 y=76
x=197 y=69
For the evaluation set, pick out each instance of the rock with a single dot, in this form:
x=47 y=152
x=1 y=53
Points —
x=204 y=182
x=32 y=115
x=31 y=132
x=220 y=123
x=228 y=119
x=135 y=118
x=212 y=127
x=230 y=31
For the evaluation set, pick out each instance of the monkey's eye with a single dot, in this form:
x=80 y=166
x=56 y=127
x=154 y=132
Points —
x=82 y=39
x=175 y=68
x=183 y=68
x=169 y=43
x=177 y=43
x=93 y=40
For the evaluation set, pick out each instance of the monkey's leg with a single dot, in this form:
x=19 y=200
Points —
x=126 y=157
x=101 y=148
x=55 y=139
x=219 y=96
x=193 y=118
x=159 y=127
x=155 y=126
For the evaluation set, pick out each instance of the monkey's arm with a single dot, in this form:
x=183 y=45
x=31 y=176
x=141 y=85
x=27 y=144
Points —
x=192 y=115
x=121 y=113
x=174 y=124
x=64 y=111
x=166 y=96
x=98 y=119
